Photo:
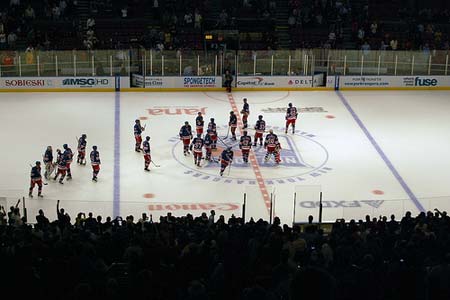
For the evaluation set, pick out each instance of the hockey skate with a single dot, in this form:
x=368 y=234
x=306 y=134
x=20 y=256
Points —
x=40 y=195
x=94 y=179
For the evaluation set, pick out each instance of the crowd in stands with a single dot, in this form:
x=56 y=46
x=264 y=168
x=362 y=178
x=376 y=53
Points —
x=174 y=24
x=206 y=257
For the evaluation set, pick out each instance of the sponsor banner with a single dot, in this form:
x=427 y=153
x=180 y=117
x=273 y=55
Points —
x=393 y=81
x=61 y=82
x=280 y=81
x=155 y=82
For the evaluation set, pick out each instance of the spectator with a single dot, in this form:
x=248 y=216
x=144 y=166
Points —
x=90 y=23
x=198 y=19
x=365 y=48
x=29 y=13
x=14 y=3
x=394 y=44
x=42 y=220
x=12 y=38
x=3 y=220
x=188 y=19
x=124 y=12
x=56 y=13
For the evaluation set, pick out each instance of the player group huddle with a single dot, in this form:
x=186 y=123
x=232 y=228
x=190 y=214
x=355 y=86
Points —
x=209 y=140
x=61 y=167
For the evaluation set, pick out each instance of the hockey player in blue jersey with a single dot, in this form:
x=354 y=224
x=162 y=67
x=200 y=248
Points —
x=68 y=157
x=137 y=134
x=208 y=145
x=186 y=136
x=226 y=158
x=82 y=150
x=95 y=162
x=146 y=151
x=197 y=148
x=36 y=178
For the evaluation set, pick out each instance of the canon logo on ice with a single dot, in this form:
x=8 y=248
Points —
x=193 y=206
x=25 y=82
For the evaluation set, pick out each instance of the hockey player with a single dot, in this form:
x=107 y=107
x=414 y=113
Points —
x=260 y=128
x=245 y=145
x=68 y=157
x=208 y=145
x=36 y=178
x=62 y=166
x=137 y=135
x=213 y=133
x=199 y=123
x=186 y=136
x=95 y=162
x=291 y=116
x=146 y=150
x=196 y=147
x=245 y=113
x=226 y=159
x=48 y=162
x=233 y=125
x=82 y=150
x=273 y=147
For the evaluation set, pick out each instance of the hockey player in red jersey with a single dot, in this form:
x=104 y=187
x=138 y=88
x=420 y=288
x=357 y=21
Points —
x=186 y=136
x=196 y=147
x=95 y=162
x=82 y=150
x=245 y=113
x=260 y=128
x=226 y=159
x=146 y=151
x=137 y=135
x=62 y=166
x=245 y=144
x=68 y=157
x=199 y=123
x=273 y=147
x=212 y=127
x=232 y=123
x=291 y=117
x=36 y=178
x=208 y=145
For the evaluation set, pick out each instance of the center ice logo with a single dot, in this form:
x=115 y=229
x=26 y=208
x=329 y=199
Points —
x=302 y=158
x=289 y=156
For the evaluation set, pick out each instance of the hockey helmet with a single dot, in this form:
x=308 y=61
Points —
x=229 y=148
x=38 y=162
x=290 y=104
x=94 y=147
x=212 y=119
x=186 y=122
x=231 y=112
x=260 y=117
x=147 y=138
x=84 y=136
x=244 y=132
x=245 y=99
x=137 y=121
x=199 y=113
x=199 y=135
x=270 y=130
x=65 y=146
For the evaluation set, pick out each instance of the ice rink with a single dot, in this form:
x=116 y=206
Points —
x=368 y=152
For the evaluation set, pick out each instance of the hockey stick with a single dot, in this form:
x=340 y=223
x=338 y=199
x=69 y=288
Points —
x=229 y=168
x=228 y=131
x=157 y=166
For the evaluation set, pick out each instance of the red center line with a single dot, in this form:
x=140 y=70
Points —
x=252 y=156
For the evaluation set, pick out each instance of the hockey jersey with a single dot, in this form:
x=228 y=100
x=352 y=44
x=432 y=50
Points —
x=213 y=127
x=137 y=129
x=95 y=157
x=35 y=173
x=271 y=141
x=291 y=113
x=48 y=156
x=246 y=108
x=186 y=131
x=199 y=122
x=260 y=126
x=208 y=141
x=81 y=144
x=227 y=155
x=246 y=142
x=197 y=144
x=233 y=121
x=68 y=155
x=146 y=147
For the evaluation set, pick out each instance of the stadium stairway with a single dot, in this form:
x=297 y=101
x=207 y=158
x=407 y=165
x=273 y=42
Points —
x=281 y=26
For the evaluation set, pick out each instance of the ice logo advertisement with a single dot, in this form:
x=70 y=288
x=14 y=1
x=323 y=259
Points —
x=302 y=158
